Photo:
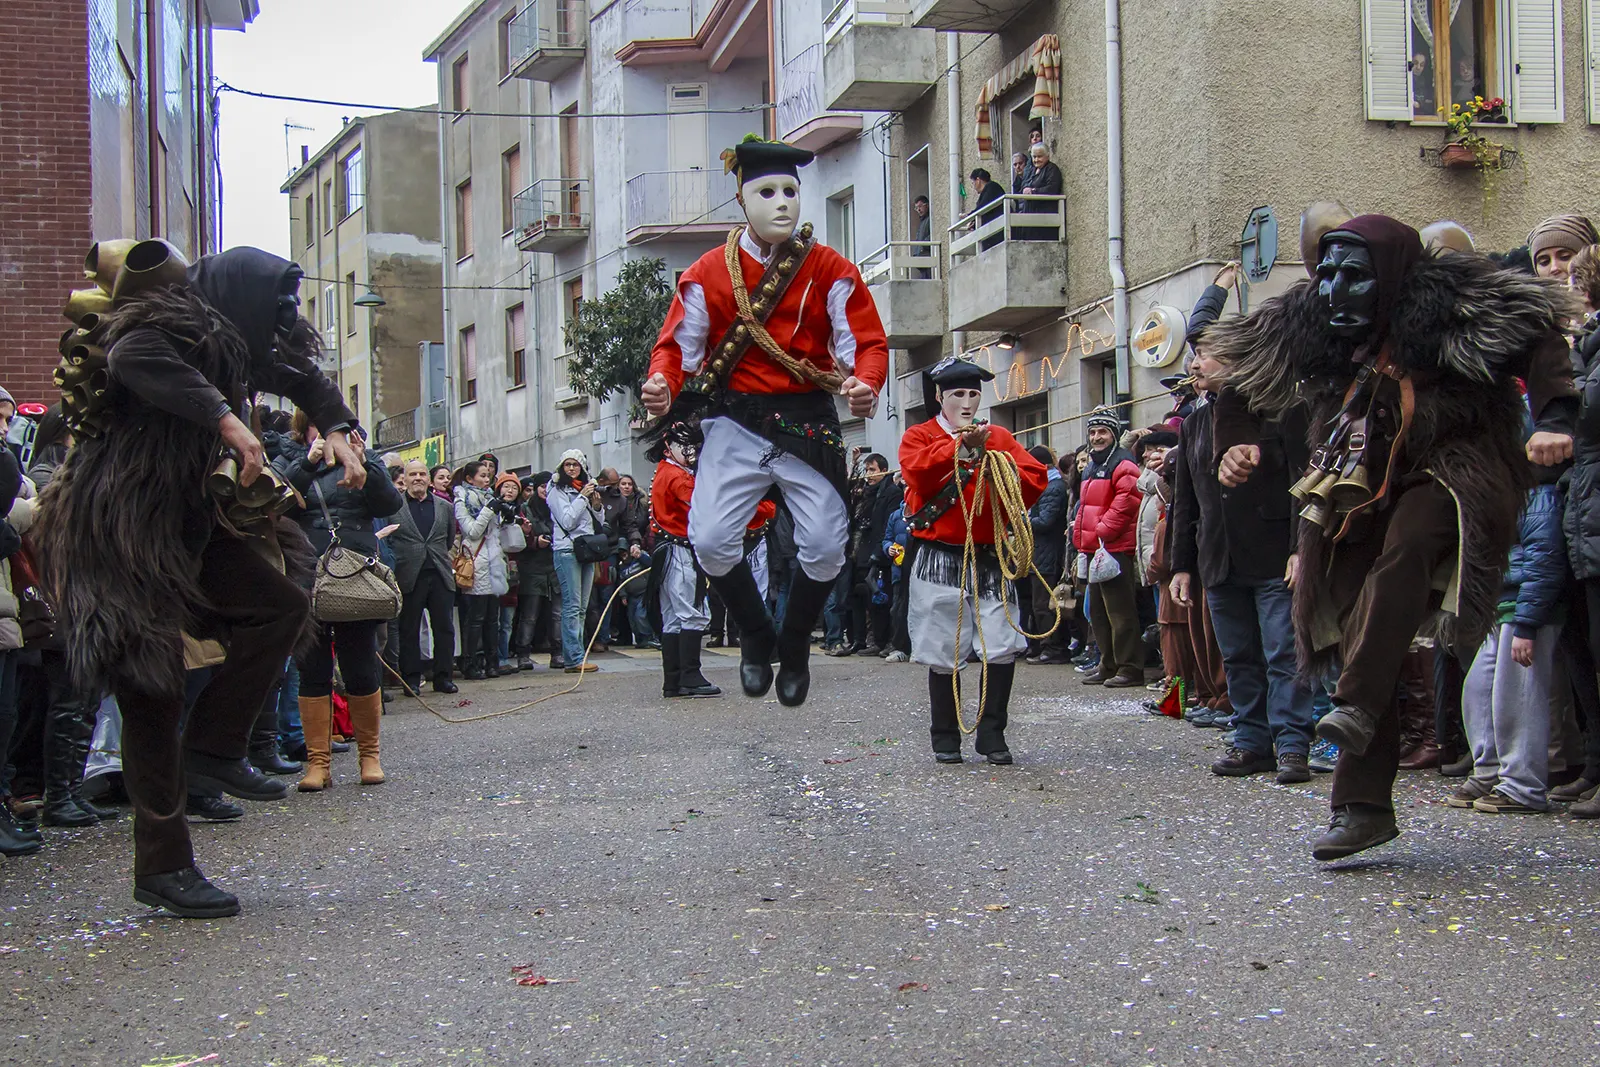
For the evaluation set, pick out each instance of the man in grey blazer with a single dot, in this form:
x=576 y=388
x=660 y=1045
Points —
x=421 y=548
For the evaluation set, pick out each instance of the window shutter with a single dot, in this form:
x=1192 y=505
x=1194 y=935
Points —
x=519 y=334
x=1387 y=53
x=1536 y=94
x=1591 y=55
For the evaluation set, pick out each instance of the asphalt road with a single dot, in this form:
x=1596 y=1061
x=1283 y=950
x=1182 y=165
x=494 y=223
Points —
x=730 y=882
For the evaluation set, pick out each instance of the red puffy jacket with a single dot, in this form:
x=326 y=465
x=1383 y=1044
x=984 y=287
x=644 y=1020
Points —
x=1109 y=508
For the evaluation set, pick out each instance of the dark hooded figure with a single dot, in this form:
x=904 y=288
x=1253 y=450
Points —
x=1409 y=363
x=135 y=555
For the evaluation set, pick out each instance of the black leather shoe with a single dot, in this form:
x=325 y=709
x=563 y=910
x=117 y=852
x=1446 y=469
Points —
x=212 y=808
x=338 y=746
x=14 y=841
x=295 y=753
x=185 y=893
x=445 y=685
x=103 y=814
x=64 y=811
x=269 y=761
x=1349 y=727
x=474 y=675
x=947 y=757
x=1355 y=828
x=1001 y=757
x=236 y=777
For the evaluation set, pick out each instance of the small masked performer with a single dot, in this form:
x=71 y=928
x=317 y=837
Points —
x=929 y=454
x=677 y=585
x=761 y=335
x=1408 y=360
x=145 y=539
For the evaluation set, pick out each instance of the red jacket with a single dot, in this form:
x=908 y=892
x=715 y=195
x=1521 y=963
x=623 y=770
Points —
x=826 y=316
x=670 y=491
x=1109 y=507
x=927 y=463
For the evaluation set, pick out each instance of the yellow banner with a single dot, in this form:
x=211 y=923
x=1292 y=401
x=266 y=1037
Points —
x=430 y=450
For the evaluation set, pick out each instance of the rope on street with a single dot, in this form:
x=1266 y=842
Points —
x=1013 y=545
x=540 y=700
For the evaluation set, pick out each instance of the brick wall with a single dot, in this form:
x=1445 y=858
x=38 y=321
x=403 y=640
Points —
x=44 y=183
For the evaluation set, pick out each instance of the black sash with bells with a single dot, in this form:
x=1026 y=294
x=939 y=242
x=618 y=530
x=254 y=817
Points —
x=805 y=425
x=1364 y=440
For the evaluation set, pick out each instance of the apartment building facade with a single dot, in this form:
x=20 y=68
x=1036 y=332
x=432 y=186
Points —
x=1224 y=113
x=578 y=137
x=108 y=131
x=364 y=225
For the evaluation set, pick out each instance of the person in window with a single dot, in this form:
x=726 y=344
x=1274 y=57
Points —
x=924 y=233
x=988 y=191
x=1020 y=172
x=1467 y=84
x=1424 y=98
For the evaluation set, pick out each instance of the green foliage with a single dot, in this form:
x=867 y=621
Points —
x=610 y=338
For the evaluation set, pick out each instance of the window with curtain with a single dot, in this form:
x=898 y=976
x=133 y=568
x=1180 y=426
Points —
x=1454 y=53
x=516 y=347
x=468 y=363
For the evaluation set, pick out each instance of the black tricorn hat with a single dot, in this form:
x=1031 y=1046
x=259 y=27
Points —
x=754 y=158
x=951 y=372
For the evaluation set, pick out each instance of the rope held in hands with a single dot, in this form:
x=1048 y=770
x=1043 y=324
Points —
x=1013 y=545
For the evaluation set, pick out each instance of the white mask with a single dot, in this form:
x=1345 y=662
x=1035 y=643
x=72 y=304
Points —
x=959 y=405
x=772 y=206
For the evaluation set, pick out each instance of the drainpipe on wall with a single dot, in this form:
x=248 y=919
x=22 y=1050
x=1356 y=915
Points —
x=952 y=92
x=1119 y=277
x=446 y=222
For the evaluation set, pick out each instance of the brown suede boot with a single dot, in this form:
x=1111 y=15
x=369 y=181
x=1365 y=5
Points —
x=316 y=719
x=365 y=711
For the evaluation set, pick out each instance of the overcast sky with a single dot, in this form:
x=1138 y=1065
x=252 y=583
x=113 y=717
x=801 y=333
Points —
x=353 y=50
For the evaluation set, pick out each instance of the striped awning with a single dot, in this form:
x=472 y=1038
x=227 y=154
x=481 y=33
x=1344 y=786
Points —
x=1043 y=60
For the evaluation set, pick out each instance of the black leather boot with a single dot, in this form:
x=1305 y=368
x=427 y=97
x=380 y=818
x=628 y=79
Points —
x=991 y=735
x=1349 y=727
x=806 y=597
x=264 y=751
x=13 y=841
x=745 y=605
x=671 y=666
x=185 y=893
x=237 y=778
x=68 y=729
x=693 y=683
x=1355 y=828
x=946 y=728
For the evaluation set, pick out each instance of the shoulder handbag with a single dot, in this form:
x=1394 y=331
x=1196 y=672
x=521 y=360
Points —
x=586 y=548
x=350 y=587
x=464 y=565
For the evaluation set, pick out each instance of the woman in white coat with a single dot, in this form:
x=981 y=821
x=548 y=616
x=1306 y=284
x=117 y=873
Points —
x=479 y=519
x=575 y=512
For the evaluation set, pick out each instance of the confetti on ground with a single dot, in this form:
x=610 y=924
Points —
x=852 y=759
x=526 y=975
x=907 y=987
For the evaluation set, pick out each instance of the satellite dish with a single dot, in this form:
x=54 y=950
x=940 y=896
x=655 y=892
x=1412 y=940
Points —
x=1258 y=244
x=1159 y=340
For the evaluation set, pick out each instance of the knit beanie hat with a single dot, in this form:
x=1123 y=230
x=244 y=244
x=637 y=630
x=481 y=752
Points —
x=1572 y=232
x=1103 y=416
x=506 y=479
x=577 y=454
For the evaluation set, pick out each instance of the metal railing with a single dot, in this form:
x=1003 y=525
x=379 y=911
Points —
x=681 y=198
x=800 y=90
x=847 y=13
x=396 y=430
x=1012 y=217
x=547 y=24
x=900 y=261
x=551 y=204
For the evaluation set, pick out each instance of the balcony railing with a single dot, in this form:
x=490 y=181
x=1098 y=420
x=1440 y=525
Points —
x=552 y=213
x=800 y=90
x=547 y=37
x=1013 y=217
x=900 y=261
x=690 y=199
x=396 y=430
x=847 y=13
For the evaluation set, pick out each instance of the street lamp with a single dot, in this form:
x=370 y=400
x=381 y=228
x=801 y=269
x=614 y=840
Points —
x=370 y=299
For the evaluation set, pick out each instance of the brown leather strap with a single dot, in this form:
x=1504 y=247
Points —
x=781 y=271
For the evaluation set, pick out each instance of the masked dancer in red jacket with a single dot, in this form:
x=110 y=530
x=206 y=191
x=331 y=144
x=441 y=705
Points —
x=761 y=335
x=945 y=631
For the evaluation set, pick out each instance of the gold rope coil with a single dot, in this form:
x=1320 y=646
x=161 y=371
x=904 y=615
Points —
x=801 y=370
x=1013 y=545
